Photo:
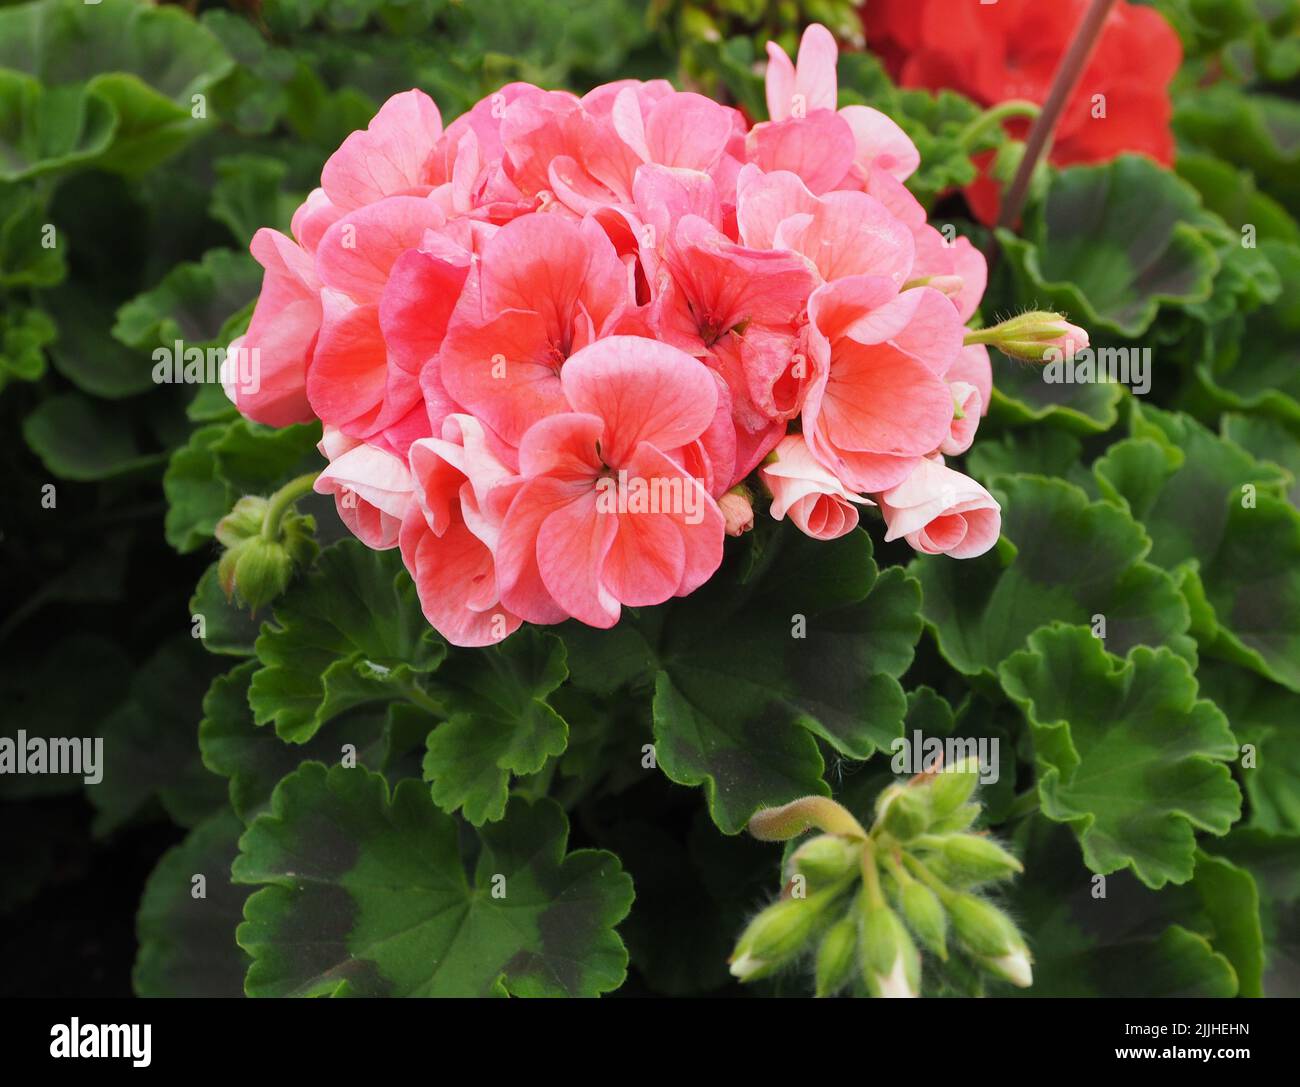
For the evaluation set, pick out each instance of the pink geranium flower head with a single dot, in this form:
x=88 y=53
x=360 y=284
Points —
x=551 y=342
x=607 y=515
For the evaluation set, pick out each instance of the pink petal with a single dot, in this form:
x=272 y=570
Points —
x=572 y=544
x=358 y=252
x=687 y=131
x=643 y=391
x=880 y=143
x=388 y=157
x=819 y=148
x=764 y=201
x=564 y=447
x=504 y=371
x=416 y=305
x=453 y=576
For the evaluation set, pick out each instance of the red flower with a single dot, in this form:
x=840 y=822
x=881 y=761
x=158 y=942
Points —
x=1011 y=48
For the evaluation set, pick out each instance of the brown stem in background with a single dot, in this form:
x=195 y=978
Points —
x=1063 y=84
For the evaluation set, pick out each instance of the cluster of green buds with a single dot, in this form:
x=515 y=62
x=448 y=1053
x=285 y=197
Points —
x=265 y=540
x=866 y=903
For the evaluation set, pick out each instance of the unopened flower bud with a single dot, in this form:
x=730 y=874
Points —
x=738 y=510
x=1015 y=967
x=890 y=963
x=903 y=811
x=826 y=859
x=775 y=935
x=925 y=916
x=243 y=521
x=256 y=568
x=979 y=859
x=952 y=787
x=835 y=955
x=1037 y=336
x=954 y=823
x=984 y=929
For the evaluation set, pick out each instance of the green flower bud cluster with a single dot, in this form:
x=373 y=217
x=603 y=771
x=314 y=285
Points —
x=866 y=904
x=265 y=541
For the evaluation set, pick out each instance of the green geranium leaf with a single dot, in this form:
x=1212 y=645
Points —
x=370 y=895
x=82 y=439
x=1110 y=936
x=118 y=80
x=1212 y=507
x=191 y=304
x=1266 y=720
x=257 y=459
x=810 y=645
x=1127 y=754
x=24 y=333
x=221 y=462
x=1267 y=440
x=222 y=625
x=1022 y=395
x=1260 y=132
x=30 y=255
x=197 y=498
x=248 y=196
x=1231 y=194
x=188 y=916
x=149 y=743
x=1071 y=560
x=499 y=722
x=86 y=353
x=1273 y=860
x=1040 y=451
x=46 y=129
x=350 y=632
x=1111 y=243
x=1258 y=366
x=253 y=759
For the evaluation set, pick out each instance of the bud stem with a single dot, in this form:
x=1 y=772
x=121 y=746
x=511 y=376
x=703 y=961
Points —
x=871 y=877
x=282 y=501
x=945 y=893
x=781 y=824
x=993 y=117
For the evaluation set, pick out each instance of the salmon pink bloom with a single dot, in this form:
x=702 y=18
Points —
x=803 y=490
x=265 y=370
x=879 y=402
x=940 y=511
x=462 y=488
x=607 y=516
x=551 y=342
x=371 y=488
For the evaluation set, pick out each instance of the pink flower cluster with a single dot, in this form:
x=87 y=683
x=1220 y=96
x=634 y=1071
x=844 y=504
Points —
x=547 y=341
